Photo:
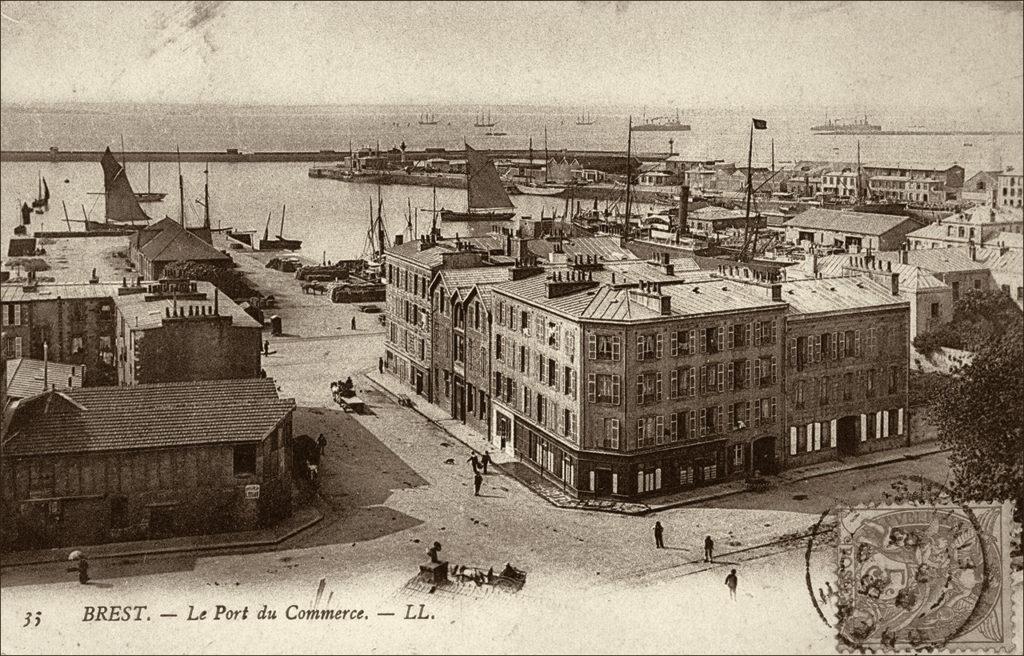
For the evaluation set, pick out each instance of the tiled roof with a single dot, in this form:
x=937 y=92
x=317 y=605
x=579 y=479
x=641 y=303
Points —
x=985 y=215
x=819 y=295
x=146 y=417
x=433 y=256
x=47 y=292
x=25 y=376
x=140 y=313
x=1008 y=239
x=1008 y=261
x=910 y=277
x=864 y=223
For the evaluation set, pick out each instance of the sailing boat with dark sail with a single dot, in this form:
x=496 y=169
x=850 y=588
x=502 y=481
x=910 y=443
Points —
x=121 y=205
x=279 y=243
x=486 y=198
x=42 y=201
x=149 y=196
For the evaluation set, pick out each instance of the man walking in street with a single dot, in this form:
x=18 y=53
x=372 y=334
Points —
x=380 y=365
x=709 y=550
x=731 y=582
x=485 y=460
x=353 y=323
x=321 y=443
x=476 y=463
x=659 y=530
x=266 y=347
x=477 y=482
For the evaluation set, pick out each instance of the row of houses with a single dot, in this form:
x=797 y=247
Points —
x=626 y=378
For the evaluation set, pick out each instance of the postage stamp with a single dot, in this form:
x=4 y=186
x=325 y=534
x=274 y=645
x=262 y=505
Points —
x=918 y=576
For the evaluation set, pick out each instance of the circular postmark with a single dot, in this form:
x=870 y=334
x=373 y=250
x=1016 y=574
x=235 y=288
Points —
x=915 y=574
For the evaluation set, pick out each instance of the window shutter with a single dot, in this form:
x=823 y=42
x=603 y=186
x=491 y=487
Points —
x=616 y=389
x=720 y=375
x=832 y=433
x=757 y=371
x=731 y=408
x=640 y=388
x=592 y=388
x=899 y=421
x=792 y=440
x=792 y=352
x=775 y=370
x=703 y=378
x=731 y=376
x=842 y=344
x=640 y=347
x=746 y=333
x=691 y=346
x=757 y=334
x=591 y=347
x=616 y=348
x=730 y=340
x=863 y=428
x=673 y=343
x=658 y=346
x=703 y=421
x=673 y=384
x=720 y=333
x=657 y=386
x=773 y=331
x=810 y=438
x=757 y=413
x=856 y=344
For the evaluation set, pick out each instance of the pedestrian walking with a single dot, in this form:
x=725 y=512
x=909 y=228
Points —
x=81 y=566
x=709 y=550
x=477 y=482
x=475 y=462
x=659 y=531
x=353 y=323
x=266 y=347
x=485 y=460
x=731 y=582
x=321 y=443
x=380 y=365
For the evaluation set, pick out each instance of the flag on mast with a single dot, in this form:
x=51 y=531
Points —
x=760 y=124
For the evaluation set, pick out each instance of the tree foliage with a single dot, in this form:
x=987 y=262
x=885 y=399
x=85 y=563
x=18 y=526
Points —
x=979 y=316
x=980 y=416
x=228 y=281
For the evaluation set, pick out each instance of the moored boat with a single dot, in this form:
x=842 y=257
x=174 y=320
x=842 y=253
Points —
x=486 y=198
x=278 y=243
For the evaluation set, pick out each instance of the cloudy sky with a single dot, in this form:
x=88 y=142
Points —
x=949 y=55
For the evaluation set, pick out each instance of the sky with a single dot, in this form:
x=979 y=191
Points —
x=943 y=55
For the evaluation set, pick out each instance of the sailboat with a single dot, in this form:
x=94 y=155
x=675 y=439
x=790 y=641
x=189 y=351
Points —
x=547 y=188
x=486 y=198
x=585 y=119
x=377 y=240
x=121 y=205
x=428 y=119
x=149 y=196
x=279 y=243
x=42 y=201
x=482 y=122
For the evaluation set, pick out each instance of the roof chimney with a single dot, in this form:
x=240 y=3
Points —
x=904 y=256
x=894 y=283
x=776 y=291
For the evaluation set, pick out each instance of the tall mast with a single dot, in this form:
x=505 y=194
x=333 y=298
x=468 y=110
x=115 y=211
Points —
x=547 y=158
x=629 y=179
x=746 y=220
x=281 y=234
x=149 y=176
x=773 y=155
x=433 y=215
x=858 y=171
x=206 y=198
x=408 y=218
x=181 y=190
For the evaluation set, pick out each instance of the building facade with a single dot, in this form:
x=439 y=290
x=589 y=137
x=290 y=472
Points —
x=111 y=464
x=67 y=323
x=1011 y=189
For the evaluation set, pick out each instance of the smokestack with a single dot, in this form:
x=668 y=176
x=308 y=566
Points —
x=216 y=300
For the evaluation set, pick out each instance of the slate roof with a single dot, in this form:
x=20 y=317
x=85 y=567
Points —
x=138 y=313
x=463 y=280
x=910 y=277
x=605 y=248
x=936 y=260
x=47 y=292
x=864 y=223
x=823 y=295
x=25 y=376
x=172 y=243
x=433 y=256
x=91 y=419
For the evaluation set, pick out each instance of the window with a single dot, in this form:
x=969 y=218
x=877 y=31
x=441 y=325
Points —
x=935 y=309
x=245 y=460
x=648 y=346
x=650 y=431
x=894 y=379
x=648 y=388
x=604 y=347
x=869 y=382
x=603 y=388
x=737 y=455
x=848 y=386
x=552 y=374
x=498 y=354
x=686 y=475
x=823 y=390
x=611 y=433
x=798 y=394
x=682 y=342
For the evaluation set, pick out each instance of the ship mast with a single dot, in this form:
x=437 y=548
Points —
x=746 y=219
x=206 y=198
x=629 y=179
x=181 y=190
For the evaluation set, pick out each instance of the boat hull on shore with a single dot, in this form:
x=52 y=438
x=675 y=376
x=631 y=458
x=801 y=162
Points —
x=539 y=190
x=280 y=244
x=467 y=217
